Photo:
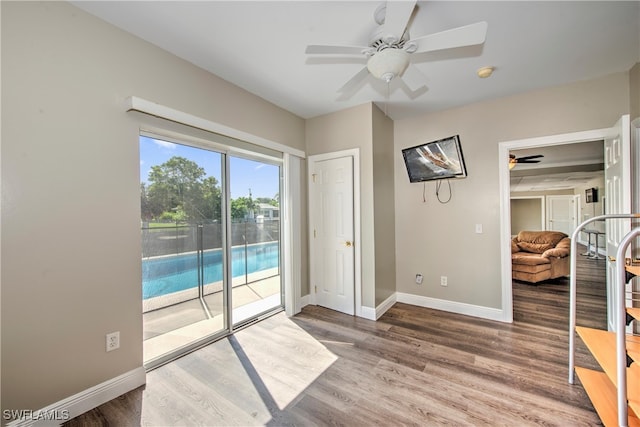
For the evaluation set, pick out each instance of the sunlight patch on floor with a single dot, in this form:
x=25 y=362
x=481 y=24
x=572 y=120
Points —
x=307 y=358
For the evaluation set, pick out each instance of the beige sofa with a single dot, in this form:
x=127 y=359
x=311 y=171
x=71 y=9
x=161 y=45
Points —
x=540 y=255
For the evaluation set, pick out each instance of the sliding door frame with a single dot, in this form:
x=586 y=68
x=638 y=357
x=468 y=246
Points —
x=289 y=291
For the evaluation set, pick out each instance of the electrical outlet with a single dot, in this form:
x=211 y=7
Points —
x=443 y=281
x=113 y=341
x=419 y=279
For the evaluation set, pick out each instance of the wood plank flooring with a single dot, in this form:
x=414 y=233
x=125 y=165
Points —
x=415 y=366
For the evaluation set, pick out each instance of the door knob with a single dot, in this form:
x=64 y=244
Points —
x=348 y=244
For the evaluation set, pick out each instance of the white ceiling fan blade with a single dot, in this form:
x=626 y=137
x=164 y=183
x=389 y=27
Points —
x=354 y=83
x=457 y=37
x=336 y=50
x=396 y=19
x=413 y=78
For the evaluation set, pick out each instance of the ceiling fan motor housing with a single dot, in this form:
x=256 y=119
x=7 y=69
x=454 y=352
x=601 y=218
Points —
x=380 y=39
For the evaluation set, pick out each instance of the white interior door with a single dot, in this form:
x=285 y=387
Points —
x=562 y=213
x=617 y=176
x=332 y=239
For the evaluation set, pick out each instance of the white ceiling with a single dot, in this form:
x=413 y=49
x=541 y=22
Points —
x=554 y=182
x=563 y=167
x=259 y=46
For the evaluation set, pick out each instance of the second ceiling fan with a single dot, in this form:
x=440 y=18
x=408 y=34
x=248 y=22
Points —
x=513 y=160
x=390 y=47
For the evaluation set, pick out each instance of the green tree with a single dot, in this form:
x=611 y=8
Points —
x=145 y=207
x=211 y=199
x=179 y=189
x=241 y=207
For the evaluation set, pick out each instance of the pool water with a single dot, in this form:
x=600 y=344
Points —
x=165 y=275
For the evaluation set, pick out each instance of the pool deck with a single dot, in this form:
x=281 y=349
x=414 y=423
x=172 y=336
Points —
x=174 y=326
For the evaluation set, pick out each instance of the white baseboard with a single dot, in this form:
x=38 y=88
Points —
x=84 y=401
x=451 y=306
x=427 y=302
x=368 y=313
x=385 y=305
x=365 y=312
x=305 y=300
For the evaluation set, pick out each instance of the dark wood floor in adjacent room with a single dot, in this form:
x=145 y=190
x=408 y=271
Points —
x=415 y=366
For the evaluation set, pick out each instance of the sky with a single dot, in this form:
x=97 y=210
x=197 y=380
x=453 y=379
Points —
x=262 y=179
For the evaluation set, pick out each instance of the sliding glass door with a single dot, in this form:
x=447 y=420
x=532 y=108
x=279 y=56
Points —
x=255 y=237
x=210 y=260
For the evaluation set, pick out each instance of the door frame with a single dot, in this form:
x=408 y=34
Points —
x=357 y=258
x=505 y=208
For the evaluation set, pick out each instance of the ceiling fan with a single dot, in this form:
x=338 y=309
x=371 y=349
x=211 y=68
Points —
x=390 y=46
x=513 y=160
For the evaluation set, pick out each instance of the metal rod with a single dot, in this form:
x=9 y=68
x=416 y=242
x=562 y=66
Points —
x=246 y=273
x=199 y=252
x=201 y=278
x=572 y=283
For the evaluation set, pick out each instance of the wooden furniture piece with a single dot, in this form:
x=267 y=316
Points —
x=615 y=392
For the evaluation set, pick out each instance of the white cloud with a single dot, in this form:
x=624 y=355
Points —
x=165 y=144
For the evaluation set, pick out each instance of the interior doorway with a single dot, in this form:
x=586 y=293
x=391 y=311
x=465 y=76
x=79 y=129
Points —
x=504 y=149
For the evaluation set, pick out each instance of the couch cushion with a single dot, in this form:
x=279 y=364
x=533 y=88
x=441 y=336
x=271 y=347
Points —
x=561 y=250
x=536 y=248
x=538 y=241
x=526 y=258
x=514 y=247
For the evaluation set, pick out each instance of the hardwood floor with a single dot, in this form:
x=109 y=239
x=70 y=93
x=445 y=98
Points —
x=415 y=366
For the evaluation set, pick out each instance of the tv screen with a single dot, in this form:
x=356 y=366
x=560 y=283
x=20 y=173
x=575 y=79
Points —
x=435 y=160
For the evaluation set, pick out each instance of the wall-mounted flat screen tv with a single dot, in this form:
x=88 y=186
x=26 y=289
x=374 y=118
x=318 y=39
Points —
x=435 y=160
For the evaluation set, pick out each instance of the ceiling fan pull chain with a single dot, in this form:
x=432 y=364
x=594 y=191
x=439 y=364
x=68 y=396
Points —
x=386 y=103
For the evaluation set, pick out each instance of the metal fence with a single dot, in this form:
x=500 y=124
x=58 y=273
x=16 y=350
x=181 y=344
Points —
x=184 y=251
x=181 y=238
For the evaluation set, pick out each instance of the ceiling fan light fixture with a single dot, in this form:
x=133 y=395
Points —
x=388 y=64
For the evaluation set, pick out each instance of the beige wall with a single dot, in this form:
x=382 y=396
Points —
x=70 y=190
x=526 y=214
x=347 y=129
x=365 y=127
x=438 y=239
x=384 y=207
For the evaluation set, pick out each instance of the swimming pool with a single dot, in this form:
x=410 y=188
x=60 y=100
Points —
x=168 y=274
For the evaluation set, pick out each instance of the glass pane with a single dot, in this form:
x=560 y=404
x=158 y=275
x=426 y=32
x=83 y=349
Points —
x=182 y=281
x=255 y=237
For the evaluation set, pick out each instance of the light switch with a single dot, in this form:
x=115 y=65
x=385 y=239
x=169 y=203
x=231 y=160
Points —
x=478 y=228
